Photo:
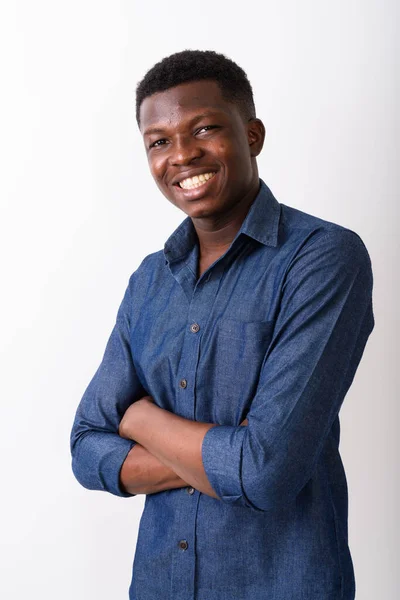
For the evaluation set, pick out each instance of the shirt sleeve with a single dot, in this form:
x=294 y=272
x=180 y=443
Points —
x=97 y=450
x=324 y=321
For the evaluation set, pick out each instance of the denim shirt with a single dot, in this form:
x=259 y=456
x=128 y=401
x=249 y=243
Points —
x=273 y=331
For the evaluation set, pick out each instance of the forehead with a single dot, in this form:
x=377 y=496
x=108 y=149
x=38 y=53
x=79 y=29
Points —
x=183 y=102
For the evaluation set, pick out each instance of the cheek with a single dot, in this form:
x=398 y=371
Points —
x=222 y=153
x=219 y=148
x=228 y=151
x=156 y=168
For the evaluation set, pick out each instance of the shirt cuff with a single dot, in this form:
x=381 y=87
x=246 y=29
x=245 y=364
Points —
x=111 y=464
x=221 y=453
x=98 y=460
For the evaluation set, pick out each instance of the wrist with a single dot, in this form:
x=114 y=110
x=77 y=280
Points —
x=132 y=420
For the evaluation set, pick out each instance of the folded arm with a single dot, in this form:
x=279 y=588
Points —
x=169 y=440
x=324 y=322
x=101 y=458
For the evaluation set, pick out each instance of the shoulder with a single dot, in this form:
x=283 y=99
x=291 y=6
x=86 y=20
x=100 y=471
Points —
x=149 y=272
x=150 y=262
x=307 y=233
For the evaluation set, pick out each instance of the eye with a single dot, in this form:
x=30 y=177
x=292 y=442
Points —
x=206 y=127
x=158 y=143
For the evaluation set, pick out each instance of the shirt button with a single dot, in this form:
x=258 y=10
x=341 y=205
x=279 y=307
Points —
x=183 y=545
x=190 y=490
x=194 y=327
x=183 y=383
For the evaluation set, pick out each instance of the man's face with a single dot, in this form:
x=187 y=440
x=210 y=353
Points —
x=191 y=132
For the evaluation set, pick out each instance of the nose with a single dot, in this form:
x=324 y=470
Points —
x=184 y=150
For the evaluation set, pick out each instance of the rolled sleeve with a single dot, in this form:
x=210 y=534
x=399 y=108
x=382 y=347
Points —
x=222 y=456
x=97 y=450
x=324 y=320
x=98 y=459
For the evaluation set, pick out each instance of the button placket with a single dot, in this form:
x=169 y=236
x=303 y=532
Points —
x=201 y=298
x=194 y=323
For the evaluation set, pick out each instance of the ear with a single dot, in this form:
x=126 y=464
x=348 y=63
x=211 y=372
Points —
x=255 y=135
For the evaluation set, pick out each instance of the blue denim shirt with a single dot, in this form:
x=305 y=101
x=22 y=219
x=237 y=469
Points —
x=283 y=318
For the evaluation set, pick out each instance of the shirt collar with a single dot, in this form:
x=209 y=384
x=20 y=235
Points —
x=261 y=223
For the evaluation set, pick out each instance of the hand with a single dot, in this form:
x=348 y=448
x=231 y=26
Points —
x=245 y=422
x=124 y=429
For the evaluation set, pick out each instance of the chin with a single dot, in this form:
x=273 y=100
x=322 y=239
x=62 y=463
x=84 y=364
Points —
x=200 y=207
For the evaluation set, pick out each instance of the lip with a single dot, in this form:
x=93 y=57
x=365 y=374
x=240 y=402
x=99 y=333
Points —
x=198 y=192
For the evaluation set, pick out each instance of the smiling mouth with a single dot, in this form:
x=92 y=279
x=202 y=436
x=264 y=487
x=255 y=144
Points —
x=197 y=181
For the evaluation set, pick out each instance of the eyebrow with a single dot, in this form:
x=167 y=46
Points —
x=160 y=129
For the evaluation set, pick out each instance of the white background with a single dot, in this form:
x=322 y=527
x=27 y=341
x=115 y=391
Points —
x=79 y=211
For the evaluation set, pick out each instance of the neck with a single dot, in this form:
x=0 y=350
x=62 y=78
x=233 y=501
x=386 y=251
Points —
x=216 y=235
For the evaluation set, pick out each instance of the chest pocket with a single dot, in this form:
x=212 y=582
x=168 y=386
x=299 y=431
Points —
x=238 y=351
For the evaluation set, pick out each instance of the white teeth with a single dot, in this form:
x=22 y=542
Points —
x=196 y=181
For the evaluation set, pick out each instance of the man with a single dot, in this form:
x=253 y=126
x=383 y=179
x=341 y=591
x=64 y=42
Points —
x=219 y=391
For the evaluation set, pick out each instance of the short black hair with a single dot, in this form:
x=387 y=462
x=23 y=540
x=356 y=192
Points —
x=195 y=65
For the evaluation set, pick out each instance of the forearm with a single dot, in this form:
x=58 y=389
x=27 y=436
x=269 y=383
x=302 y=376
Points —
x=175 y=441
x=143 y=473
